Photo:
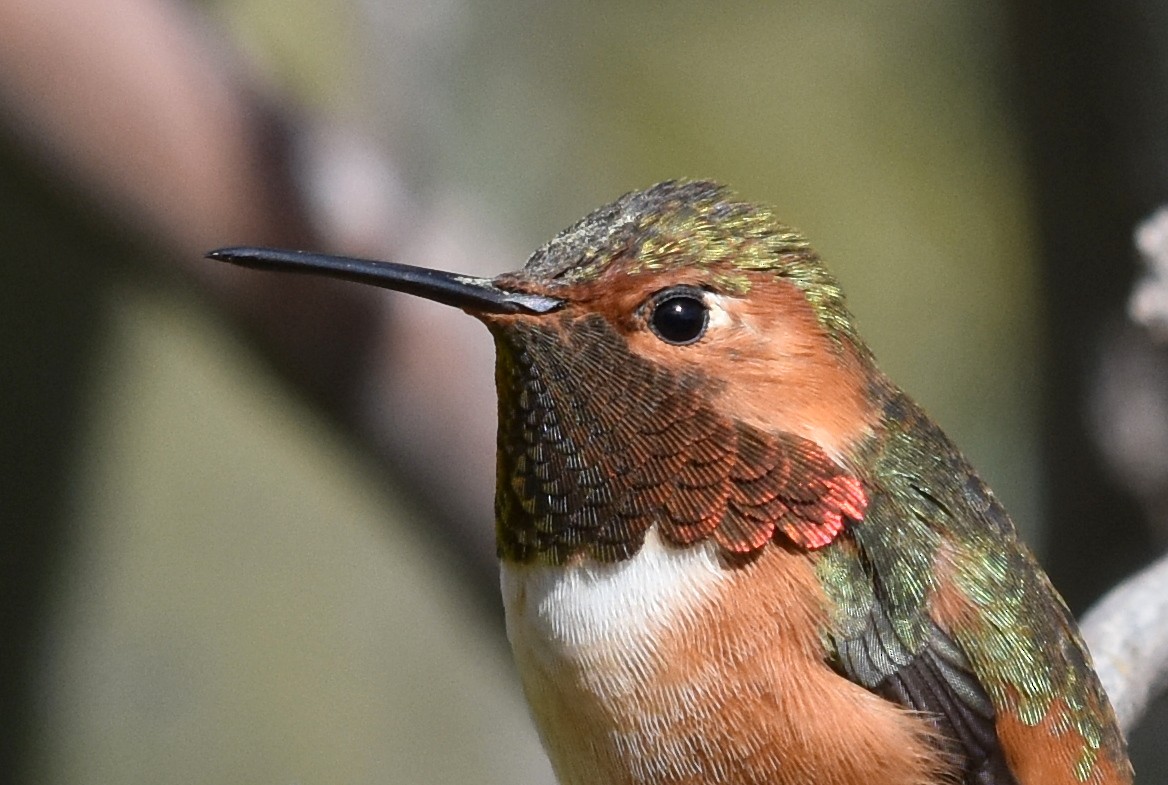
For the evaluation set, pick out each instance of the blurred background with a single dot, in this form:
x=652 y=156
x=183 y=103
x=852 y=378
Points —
x=245 y=520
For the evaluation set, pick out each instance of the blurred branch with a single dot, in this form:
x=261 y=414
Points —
x=1148 y=306
x=1127 y=630
x=153 y=117
x=132 y=100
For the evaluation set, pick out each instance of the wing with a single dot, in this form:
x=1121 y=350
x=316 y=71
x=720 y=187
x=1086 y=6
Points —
x=938 y=607
x=938 y=681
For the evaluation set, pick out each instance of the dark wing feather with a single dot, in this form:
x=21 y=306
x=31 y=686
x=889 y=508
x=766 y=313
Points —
x=936 y=680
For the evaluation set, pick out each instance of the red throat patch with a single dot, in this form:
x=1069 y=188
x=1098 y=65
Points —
x=795 y=489
x=845 y=500
x=589 y=471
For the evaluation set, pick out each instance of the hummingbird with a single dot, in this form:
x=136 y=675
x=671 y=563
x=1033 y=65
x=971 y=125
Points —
x=732 y=550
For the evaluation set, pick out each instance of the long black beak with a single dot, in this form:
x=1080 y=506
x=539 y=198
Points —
x=478 y=295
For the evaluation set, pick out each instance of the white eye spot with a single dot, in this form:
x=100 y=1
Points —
x=719 y=313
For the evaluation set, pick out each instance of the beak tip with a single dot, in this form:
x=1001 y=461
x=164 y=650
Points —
x=226 y=254
x=222 y=255
x=255 y=258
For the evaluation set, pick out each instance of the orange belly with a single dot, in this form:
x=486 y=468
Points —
x=672 y=668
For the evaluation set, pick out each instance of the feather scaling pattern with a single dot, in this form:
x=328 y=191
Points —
x=590 y=474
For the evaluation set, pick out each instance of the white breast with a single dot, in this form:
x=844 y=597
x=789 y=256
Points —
x=588 y=639
x=571 y=613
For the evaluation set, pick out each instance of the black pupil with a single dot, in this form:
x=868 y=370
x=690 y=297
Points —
x=680 y=319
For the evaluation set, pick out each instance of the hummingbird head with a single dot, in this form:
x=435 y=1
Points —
x=676 y=338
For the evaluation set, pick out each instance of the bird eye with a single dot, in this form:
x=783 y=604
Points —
x=679 y=317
